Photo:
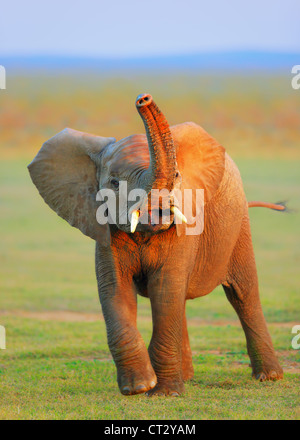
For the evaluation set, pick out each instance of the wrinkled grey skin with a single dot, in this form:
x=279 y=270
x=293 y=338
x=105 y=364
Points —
x=156 y=261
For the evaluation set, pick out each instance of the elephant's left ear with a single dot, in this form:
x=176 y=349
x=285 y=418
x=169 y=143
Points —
x=64 y=171
x=200 y=159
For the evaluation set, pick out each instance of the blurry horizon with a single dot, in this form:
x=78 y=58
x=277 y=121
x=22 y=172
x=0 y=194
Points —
x=215 y=63
x=225 y=65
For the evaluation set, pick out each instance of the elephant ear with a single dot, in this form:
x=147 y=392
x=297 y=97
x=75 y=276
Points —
x=64 y=172
x=200 y=158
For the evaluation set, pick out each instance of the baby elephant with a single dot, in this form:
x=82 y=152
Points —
x=149 y=246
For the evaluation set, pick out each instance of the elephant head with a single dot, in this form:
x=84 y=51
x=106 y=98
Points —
x=72 y=166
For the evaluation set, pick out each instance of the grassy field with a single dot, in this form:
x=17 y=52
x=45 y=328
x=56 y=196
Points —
x=57 y=364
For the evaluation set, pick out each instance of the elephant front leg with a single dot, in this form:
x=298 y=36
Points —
x=165 y=348
x=134 y=370
x=118 y=300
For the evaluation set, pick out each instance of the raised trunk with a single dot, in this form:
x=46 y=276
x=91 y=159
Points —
x=162 y=169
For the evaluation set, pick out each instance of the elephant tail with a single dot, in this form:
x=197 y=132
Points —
x=279 y=206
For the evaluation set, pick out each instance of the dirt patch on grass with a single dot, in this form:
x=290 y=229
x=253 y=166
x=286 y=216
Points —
x=56 y=315
x=69 y=316
x=288 y=364
x=235 y=323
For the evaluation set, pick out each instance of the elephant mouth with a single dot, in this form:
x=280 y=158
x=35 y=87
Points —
x=152 y=221
x=154 y=217
x=158 y=220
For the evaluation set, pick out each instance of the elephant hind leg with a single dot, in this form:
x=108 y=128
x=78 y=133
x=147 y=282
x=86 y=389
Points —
x=242 y=292
x=187 y=362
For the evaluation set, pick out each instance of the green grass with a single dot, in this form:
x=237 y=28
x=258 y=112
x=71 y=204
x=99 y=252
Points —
x=59 y=369
x=63 y=371
x=57 y=364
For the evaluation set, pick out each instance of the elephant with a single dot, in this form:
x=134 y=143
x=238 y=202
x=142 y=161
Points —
x=159 y=260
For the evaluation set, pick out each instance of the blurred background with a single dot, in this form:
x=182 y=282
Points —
x=224 y=65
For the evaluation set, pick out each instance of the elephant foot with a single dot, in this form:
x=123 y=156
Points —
x=187 y=372
x=136 y=382
x=271 y=372
x=167 y=388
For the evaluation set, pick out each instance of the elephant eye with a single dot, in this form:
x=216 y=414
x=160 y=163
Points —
x=115 y=183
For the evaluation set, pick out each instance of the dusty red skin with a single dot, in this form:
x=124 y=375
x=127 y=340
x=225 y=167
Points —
x=163 y=165
x=167 y=268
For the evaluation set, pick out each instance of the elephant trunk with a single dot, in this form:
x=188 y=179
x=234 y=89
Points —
x=163 y=167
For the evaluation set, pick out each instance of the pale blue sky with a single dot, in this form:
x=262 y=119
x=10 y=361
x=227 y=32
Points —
x=152 y=27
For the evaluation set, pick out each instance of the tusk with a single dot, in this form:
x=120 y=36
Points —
x=134 y=221
x=178 y=214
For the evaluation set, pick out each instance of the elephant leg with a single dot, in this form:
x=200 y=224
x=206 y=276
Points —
x=165 y=348
x=118 y=300
x=187 y=362
x=242 y=292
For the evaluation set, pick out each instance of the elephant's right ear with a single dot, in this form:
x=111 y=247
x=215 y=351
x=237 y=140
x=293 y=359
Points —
x=65 y=175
